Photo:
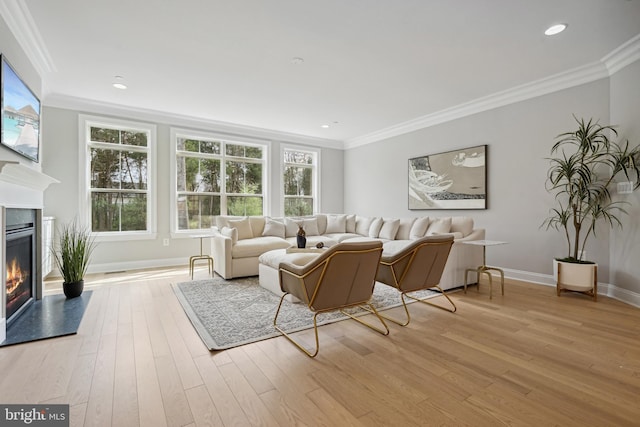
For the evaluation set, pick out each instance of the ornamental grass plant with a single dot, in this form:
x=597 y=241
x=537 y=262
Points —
x=73 y=253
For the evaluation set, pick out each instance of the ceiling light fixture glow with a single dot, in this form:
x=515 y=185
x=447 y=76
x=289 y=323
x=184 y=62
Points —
x=555 y=29
x=118 y=83
x=324 y=126
x=297 y=60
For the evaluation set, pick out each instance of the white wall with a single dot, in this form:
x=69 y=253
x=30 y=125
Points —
x=519 y=138
x=60 y=153
x=625 y=243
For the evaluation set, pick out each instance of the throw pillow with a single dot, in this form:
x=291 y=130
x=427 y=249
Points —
x=351 y=224
x=376 y=225
x=389 y=229
x=419 y=228
x=439 y=226
x=291 y=227
x=336 y=224
x=363 y=224
x=462 y=224
x=310 y=226
x=273 y=228
x=232 y=233
x=404 y=229
x=243 y=226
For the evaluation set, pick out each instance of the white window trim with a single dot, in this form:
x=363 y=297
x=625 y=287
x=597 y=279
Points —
x=84 y=216
x=176 y=133
x=317 y=206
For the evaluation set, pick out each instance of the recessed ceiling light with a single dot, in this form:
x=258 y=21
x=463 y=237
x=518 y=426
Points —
x=297 y=60
x=555 y=29
x=118 y=82
x=324 y=126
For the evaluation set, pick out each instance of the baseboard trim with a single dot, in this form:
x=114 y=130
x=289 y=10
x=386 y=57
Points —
x=606 y=289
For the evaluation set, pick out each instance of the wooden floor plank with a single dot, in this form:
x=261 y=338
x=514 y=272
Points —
x=527 y=358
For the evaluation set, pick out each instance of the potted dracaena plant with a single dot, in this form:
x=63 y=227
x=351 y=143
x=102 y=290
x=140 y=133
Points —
x=584 y=166
x=72 y=254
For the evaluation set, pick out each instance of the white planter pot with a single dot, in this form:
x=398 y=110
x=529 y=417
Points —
x=576 y=277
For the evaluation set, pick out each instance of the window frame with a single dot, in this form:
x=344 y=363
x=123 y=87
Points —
x=175 y=134
x=85 y=123
x=315 y=174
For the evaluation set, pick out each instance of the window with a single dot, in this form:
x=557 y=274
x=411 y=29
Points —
x=300 y=181
x=214 y=176
x=119 y=158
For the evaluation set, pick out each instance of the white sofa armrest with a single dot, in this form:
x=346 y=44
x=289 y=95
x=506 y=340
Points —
x=221 y=247
x=477 y=234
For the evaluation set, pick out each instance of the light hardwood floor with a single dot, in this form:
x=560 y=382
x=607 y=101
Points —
x=526 y=359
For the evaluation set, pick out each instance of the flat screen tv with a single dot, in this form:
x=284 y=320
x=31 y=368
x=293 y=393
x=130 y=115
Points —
x=20 y=110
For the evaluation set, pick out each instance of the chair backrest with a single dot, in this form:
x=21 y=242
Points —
x=419 y=266
x=347 y=276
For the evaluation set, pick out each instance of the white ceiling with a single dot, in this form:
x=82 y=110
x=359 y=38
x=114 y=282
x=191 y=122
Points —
x=368 y=64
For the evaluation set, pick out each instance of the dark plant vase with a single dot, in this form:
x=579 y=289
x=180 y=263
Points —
x=302 y=241
x=74 y=289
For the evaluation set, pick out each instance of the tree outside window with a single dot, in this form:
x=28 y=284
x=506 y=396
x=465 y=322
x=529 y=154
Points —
x=299 y=179
x=118 y=179
x=212 y=175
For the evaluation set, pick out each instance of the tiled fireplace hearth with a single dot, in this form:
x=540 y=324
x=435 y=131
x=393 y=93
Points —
x=21 y=203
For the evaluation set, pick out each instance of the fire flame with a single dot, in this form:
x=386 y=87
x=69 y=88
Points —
x=15 y=276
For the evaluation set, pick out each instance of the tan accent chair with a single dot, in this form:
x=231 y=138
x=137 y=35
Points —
x=343 y=276
x=418 y=266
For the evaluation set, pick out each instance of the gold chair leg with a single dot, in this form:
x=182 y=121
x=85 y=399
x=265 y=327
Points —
x=372 y=310
x=426 y=301
x=391 y=319
x=294 y=342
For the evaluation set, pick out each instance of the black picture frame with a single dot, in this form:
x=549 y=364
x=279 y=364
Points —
x=19 y=114
x=450 y=180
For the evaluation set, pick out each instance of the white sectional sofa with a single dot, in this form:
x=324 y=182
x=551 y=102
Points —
x=238 y=242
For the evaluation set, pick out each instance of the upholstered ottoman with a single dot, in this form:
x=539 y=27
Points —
x=269 y=263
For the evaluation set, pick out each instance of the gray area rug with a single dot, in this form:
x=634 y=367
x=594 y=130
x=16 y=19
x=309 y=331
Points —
x=230 y=313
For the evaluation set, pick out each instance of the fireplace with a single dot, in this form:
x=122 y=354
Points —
x=21 y=261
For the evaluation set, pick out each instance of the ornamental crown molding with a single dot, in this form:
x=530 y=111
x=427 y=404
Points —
x=626 y=54
x=19 y=20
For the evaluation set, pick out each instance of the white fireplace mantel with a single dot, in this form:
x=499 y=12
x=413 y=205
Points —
x=20 y=187
x=17 y=173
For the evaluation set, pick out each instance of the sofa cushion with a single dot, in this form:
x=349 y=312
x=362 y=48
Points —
x=439 y=226
x=232 y=233
x=314 y=240
x=389 y=229
x=363 y=224
x=351 y=224
x=419 y=228
x=257 y=225
x=310 y=226
x=291 y=226
x=336 y=224
x=273 y=228
x=404 y=229
x=339 y=237
x=462 y=224
x=223 y=220
x=254 y=247
x=392 y=247
x=376 y=225
x=322 y=223
x=243 y=226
